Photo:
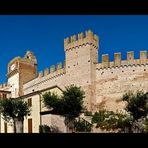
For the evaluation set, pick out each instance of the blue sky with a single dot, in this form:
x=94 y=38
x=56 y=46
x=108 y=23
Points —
x=44 y=35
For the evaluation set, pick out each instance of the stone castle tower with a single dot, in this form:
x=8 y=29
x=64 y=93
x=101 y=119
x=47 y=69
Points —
x=81 y=54
x=20 y=71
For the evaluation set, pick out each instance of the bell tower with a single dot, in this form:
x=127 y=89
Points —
x=20 y=71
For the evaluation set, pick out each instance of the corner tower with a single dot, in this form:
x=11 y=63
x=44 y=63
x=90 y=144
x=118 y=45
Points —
x=81 y=54
x=20 y=71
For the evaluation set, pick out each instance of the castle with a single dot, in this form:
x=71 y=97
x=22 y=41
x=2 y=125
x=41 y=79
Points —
x=104 y=83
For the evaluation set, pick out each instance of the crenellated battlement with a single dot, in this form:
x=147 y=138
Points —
x=59 y=68
x=130 y=60
x=81 y=40
x=4 y=86
x=46 y=75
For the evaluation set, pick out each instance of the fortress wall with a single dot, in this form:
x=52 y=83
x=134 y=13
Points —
x=43 y=82
x=57 y=78
x=130 y=60
x=113 y=81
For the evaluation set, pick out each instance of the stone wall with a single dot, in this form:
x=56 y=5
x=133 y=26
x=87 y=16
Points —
x=112 y=83
x=54 y=121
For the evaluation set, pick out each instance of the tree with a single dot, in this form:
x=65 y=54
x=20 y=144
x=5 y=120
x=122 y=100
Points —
x=15 y=110
x=134 y=120
x=69 y=105
x=137 y=104
x=111 y=121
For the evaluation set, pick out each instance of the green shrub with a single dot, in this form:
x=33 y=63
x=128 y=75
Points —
x=44 y=129
x=48 y=129
x=88 y=113
x=82 y=126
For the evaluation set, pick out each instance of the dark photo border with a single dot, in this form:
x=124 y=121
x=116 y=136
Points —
x=73 y=7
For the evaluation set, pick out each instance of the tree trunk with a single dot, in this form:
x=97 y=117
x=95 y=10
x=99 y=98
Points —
x=14 y=126
x=69 y=125
x=19 y=125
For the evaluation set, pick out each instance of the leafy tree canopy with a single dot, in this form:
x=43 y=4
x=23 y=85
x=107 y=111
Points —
x=69 y=105
x=14 y=108
x=110 y=120
x=137 y=104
